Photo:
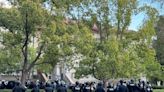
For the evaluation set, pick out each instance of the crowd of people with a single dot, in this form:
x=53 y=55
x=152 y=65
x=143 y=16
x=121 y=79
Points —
x=61 y=86
x=121 y=86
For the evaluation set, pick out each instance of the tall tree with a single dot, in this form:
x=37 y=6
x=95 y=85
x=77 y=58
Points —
x=48 y=25
x=26 y=19
x=159 y=43
x=109 y=58
x=125 y=9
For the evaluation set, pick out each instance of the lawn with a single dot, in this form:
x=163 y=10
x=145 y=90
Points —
x=157 y=90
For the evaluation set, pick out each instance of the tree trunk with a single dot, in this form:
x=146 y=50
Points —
x=25 y=52
x=100 y=33
x=24 y=76
x=118 y=28
x=24 y=68
x=62 y=70
x=121 y=35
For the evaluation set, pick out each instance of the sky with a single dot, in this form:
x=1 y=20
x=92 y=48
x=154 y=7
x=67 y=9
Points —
x=136 y=20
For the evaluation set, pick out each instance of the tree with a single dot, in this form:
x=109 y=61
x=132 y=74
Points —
x=159 y=42
x=49 y=27
x=125 y=9
x=62 y=34
x=22 y=23
x=109 y=57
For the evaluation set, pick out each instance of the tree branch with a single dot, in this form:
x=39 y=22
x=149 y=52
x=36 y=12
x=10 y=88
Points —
x=42 y=63
x=37 y=57
x=27 y=35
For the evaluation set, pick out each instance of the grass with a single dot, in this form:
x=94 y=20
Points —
x=156 y=90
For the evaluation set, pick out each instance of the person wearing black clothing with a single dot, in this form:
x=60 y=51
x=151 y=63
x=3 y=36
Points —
x=35 y=88
x=31 y=85
x=110 y=88
x=82 y=87
x=53 y=85
x=148 y=87
x=2 y=86
x=87 y=88
x=132 y=86
x=48 y=88
x=42 y=86
x=121 y=87
x=76 y=88
x=142 y=86
x=62 y=88
x=18 y=88
x=100 y=88
x=57 y=85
